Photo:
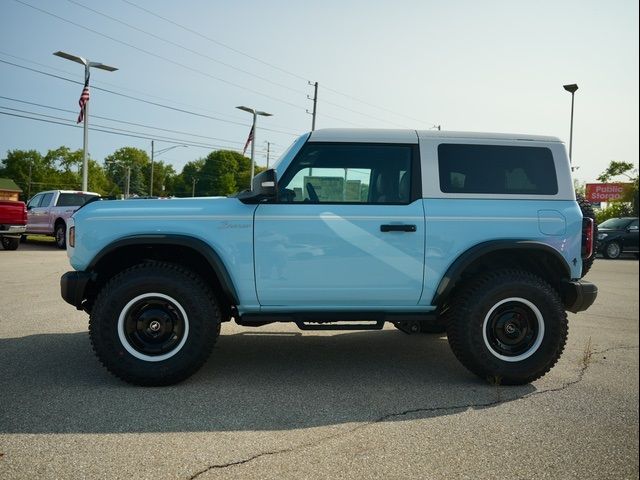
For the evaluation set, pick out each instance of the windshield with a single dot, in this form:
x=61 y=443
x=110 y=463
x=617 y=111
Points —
x=615 y=223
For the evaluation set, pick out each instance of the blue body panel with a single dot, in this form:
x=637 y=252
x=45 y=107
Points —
x=334 y=256
x=226 y=224
x=455 y=225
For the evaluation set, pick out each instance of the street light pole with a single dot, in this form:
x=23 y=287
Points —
x=255 y=114
x=159 y=152
x=572 y=89
x=85 y=138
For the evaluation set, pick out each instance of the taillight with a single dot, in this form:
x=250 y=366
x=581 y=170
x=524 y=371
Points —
x=587 y=237
x=72 y=237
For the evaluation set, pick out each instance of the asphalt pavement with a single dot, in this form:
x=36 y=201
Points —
x=274 y=402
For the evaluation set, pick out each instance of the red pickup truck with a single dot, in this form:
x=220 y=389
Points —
x=13 y=223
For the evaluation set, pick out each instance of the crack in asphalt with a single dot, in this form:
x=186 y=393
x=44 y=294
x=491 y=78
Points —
x=583 y=369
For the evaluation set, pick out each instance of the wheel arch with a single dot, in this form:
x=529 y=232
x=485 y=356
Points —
x=536 y=257
x=187 y=251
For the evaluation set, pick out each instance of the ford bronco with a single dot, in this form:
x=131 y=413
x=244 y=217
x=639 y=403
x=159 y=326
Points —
x=480 y=235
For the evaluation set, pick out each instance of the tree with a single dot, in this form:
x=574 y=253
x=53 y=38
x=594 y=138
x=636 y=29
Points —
x=625 y=169
x=139 y=164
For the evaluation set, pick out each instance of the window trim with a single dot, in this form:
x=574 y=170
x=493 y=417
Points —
x=504 y=194
x=414 y=163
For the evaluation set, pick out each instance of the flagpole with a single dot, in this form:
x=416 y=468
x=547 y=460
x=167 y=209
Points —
x=85 y=140
x=253 y=149
x=252 y=137
x=85 y=108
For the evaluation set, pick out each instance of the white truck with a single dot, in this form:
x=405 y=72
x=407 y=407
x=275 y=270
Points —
x=48 y=212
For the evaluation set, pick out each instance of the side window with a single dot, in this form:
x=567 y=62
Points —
x=46 y=200
x=495 y=169
x=35 y=201
x=348 y=173
x=72 y=199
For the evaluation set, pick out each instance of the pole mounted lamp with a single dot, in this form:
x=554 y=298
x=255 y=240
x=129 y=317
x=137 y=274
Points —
x=255 y=114
x=85 y=143
x=153 y=155
x=571 y=89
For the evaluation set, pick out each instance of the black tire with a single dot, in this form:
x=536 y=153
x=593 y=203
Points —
x=508 y=326
x=60 y=234
x=612 y=250
x=10 y=243
x=137 y=350
x=587 y=211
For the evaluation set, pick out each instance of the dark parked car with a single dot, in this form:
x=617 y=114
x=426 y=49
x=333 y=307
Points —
x=617 y=236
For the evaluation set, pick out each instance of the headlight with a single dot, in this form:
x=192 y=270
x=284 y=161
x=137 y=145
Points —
x=602 y=236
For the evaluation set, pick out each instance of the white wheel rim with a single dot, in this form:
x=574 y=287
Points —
x=533 y=347
x=141 y=356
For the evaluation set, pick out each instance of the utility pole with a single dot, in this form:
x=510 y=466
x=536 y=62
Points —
x=127 y=181
x=194 y=180
x=151 y=180
x=85 y=139
x=29 y=185
x=268 y=145
x=315 y=103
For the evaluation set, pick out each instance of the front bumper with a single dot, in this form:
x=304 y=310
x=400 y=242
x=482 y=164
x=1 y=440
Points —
x=578 y=295
x=73 y=286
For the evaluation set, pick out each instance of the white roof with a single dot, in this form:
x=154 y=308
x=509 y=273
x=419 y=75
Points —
x=411 y=136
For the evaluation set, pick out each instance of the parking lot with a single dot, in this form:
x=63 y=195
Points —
x=274 y=402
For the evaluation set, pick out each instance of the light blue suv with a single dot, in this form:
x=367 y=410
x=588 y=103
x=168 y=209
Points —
x=476 y=234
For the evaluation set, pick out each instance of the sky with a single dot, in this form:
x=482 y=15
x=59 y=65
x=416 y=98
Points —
x=183 y=67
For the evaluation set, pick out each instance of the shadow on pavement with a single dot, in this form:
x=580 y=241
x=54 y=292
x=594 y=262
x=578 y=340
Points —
x=254 y=380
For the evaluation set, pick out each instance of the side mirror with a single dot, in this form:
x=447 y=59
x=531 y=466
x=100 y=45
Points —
x=264 y=188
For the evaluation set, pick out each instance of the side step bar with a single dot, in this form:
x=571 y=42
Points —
x=379 y=325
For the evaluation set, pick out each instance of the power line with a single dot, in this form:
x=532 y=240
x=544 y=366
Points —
x=130 y=97
x=337 y=92
x=121 y=121
x=195 y=52
x=147 y=52
x=111 y=130
x=123 y=87
x=194 y=32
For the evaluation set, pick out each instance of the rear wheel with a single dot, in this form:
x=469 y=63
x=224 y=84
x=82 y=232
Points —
x=507 y=326
x=10 y=243
x=61 y=235
x=612 y=250
x=154 y=324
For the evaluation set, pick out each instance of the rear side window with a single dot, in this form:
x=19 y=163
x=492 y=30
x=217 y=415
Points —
x=494 y=169
x=72 y=199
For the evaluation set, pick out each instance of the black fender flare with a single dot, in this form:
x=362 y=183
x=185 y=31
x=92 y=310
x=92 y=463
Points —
x=196 y=244
x=460 y=264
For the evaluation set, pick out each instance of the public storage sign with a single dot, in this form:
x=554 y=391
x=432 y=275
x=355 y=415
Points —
x=606 y=192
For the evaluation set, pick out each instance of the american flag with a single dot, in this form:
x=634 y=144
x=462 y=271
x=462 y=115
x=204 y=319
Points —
x=84 y=98
x=249 y=140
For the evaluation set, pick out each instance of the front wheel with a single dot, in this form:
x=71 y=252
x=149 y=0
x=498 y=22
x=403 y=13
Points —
x=154 y=324
x=612 y=250
x=508 y=327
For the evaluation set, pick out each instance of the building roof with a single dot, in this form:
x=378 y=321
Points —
x=9 y=185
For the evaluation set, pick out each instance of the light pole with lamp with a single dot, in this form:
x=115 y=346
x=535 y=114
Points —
x=153 y=154
x=255 y=114
x=572 y=89
x=85 y=143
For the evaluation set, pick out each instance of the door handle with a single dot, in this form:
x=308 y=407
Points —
x=397 y=228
